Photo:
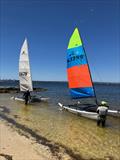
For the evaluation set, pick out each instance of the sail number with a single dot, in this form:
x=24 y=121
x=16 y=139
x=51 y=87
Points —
x=80 y=57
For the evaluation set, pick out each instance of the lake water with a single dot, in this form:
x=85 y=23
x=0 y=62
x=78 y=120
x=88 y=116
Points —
x=77 y=133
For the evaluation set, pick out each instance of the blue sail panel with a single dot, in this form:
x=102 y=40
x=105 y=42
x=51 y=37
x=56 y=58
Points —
x=76 y=57
x=82 y=92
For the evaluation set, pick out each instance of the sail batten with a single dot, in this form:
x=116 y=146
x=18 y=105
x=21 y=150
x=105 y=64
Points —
x=24 y=69
x=79 y=78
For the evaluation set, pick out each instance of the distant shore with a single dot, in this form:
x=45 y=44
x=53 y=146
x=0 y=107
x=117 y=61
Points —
x=12 y=86
x=36 y=81
x=17 y=90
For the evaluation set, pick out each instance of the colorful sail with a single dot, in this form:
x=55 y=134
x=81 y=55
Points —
x=24 y=69
x=79 y=79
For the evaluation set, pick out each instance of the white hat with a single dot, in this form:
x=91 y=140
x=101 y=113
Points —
x=103 y=102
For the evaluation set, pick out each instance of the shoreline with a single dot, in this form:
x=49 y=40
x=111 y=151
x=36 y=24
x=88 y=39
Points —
x=40 y=146
x=59 y=81
x=15 y=146
x=18 y=132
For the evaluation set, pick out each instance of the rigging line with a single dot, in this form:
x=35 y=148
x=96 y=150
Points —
x=89 y=69
x=96 y=73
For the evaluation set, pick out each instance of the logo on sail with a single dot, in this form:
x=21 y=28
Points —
x=23 y=52
x=23 y=74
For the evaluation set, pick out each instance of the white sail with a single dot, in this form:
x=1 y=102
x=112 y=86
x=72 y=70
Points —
x=24 y=69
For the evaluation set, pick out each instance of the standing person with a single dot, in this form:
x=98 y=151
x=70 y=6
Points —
x=27 y=96
x=102 y=113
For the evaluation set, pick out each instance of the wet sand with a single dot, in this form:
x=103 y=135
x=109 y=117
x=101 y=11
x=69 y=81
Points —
x=14 y=146
x=18 y=140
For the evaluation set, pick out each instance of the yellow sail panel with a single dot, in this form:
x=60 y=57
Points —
x=75 y=39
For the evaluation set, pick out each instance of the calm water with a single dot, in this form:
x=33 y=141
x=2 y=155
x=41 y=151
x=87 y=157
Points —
x=79 y=134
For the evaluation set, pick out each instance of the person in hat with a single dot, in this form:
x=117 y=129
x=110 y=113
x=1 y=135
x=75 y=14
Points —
x=102 y=113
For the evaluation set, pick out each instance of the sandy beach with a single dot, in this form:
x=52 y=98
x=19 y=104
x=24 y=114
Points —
x=14 y=146
x=18 y=142
x=17 y=147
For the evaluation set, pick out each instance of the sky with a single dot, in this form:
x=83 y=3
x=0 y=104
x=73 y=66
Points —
x=48 y=25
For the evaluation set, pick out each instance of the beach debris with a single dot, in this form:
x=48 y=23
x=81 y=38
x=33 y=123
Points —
x=7 y=157
x=4 y=109
x=58 y=150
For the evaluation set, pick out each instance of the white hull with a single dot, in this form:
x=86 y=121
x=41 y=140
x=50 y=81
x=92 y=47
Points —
x=32 y=100
x=90 y=115
x=115 y=113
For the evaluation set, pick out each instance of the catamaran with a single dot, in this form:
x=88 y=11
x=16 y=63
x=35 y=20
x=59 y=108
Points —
x=25 y=77
x=80 y=79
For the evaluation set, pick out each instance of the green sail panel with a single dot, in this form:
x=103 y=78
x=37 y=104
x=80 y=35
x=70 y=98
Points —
x=75 y=40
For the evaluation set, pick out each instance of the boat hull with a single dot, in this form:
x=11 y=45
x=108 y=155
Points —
x=32 y=100
x=87 y=114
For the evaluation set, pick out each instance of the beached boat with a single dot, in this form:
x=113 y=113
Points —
x=79 y=79
x=25 y=78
